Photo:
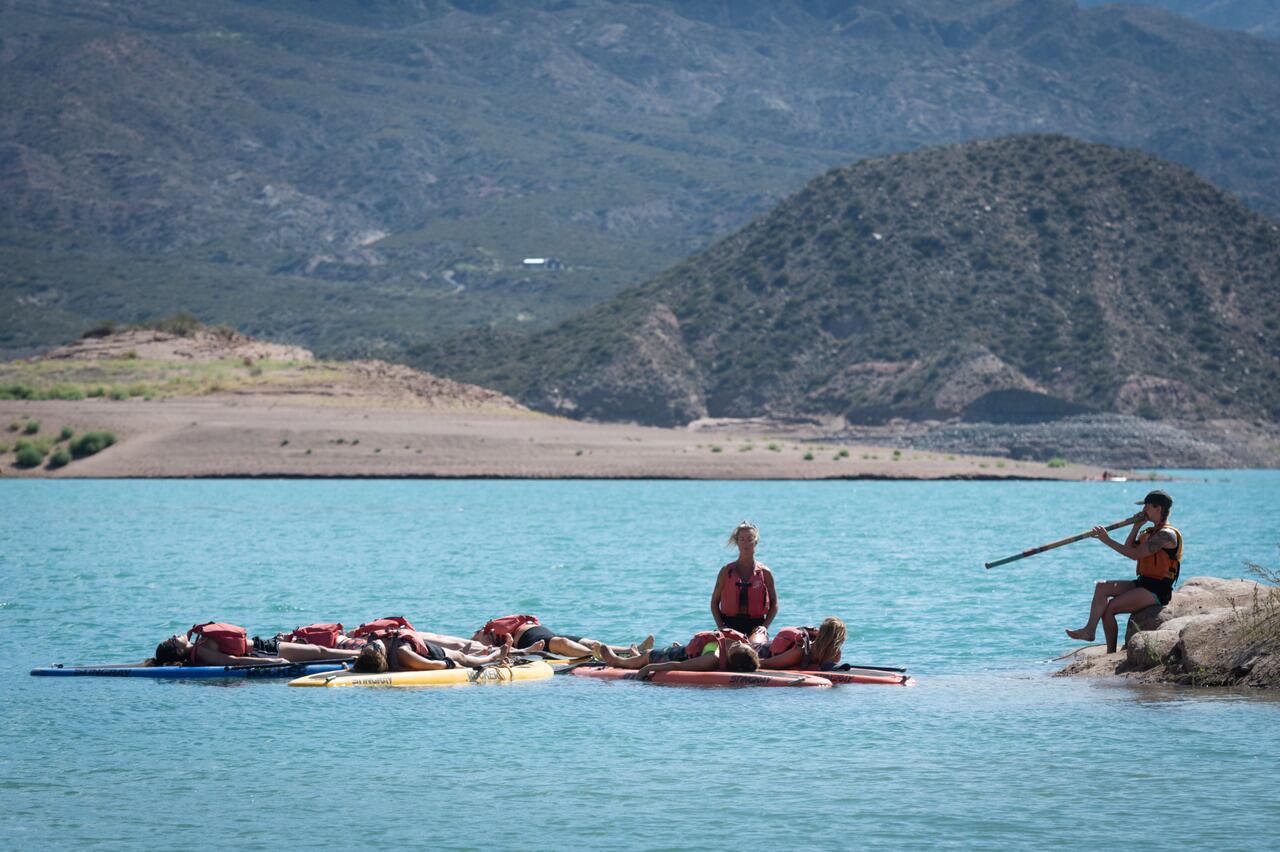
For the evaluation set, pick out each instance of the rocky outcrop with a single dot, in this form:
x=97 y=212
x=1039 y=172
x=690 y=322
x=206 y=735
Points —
x=199 y=345
x=1214 y=632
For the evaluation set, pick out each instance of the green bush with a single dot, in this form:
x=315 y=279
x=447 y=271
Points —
x=1057 y=462
x=90 y=443
x=119 y=394
x=66 y=434
x=32 y=427
x=4 y=448
x=17 y=391
x=29 y=456
x=183 y=324
x=67 y=392
x=808 y=456
x=97 y=392
x=105 y=328
x=59 y=459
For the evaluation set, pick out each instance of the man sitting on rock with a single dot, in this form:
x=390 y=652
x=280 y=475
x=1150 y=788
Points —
x=1158 y=551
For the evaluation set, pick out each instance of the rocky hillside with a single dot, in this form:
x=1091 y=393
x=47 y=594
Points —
x=190 y=360
x=1256 y=17
x=352 y=176
x=1024 y=278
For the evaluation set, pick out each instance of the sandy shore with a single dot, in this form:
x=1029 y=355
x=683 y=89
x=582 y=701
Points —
x=215 y=436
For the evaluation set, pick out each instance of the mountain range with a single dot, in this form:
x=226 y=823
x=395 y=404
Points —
x=1023 y=278
x=1256 y=17
x=361 y=178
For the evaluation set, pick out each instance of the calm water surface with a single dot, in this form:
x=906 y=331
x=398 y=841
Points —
x=986 y=752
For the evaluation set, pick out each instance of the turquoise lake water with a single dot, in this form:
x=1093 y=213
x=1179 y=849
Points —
x=987 y=752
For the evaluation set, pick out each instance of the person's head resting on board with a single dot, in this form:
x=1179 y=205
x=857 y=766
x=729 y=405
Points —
x=373 y=659
x=741 y=657
x=1157 y=505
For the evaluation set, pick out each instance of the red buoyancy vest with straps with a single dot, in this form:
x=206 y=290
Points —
x=790 y=637
x=379 y=625
x=231 y=639
x=722 y=638
x=501 y=628
x=324 y=635
x=744 y=597
x=1164 y=564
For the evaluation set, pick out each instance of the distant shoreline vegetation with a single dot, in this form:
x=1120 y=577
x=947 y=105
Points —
x=127 y=376
x=60 y=449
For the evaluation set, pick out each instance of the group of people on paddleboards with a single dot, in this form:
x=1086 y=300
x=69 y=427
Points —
x=744 y=604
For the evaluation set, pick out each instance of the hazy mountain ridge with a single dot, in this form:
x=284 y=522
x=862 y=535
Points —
x=357 y=177
x=1256 y=17
x=1033 y=274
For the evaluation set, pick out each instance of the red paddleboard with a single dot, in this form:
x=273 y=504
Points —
x=678 y=678
x=859 y=676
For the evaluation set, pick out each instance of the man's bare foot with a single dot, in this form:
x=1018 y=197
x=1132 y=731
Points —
x=1081 y=635
x=535 y=648
x=646 y=646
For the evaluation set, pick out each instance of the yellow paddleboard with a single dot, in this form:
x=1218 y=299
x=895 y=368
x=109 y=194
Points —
x=441 y=677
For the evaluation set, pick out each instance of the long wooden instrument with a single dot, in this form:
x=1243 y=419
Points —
x=1051 y=545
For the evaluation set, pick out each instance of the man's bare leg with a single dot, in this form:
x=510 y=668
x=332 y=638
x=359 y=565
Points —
x=1103 y=591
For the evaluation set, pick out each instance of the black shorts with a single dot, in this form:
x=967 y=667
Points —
x=744 y=624
x=674 y=654
x=538 y=633
x=1162 y=589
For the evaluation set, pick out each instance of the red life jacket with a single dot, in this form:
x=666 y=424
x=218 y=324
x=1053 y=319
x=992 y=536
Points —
x=744 y=597
x=722 y=638
x=231 y=639
x=790 y=637
x=379 y=625
x=501 y=628
x=324 y=635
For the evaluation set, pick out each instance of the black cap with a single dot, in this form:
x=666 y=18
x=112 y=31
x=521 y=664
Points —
x=1157 y=498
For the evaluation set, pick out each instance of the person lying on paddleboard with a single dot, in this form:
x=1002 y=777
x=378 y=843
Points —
x=333 y=636
x=409 y=651
x=710 y=650
x=804 y=647
x=744 y=598
x=525 y=630
x=217 y=643
x=1158 y=551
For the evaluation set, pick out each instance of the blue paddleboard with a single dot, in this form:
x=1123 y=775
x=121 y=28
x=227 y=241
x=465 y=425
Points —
x=292 y=670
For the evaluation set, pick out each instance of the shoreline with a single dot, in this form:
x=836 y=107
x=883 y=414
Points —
x=259 y=436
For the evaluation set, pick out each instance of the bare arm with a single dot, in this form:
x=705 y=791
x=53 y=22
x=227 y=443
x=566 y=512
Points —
x=715 y=598
x=789 y=659
x=411 y=661
x=704 y=663
x=1138 y=520
x=1155 y=541
x=773 y=598
x=211 y=656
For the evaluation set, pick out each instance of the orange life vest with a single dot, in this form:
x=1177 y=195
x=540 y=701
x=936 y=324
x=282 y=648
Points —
x=379 y=625
x=1165 y=563
x=501 y=628
x=722 y=638
x=790 y=637
x=231 y=639
x=749 y=598
x=323 y=635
